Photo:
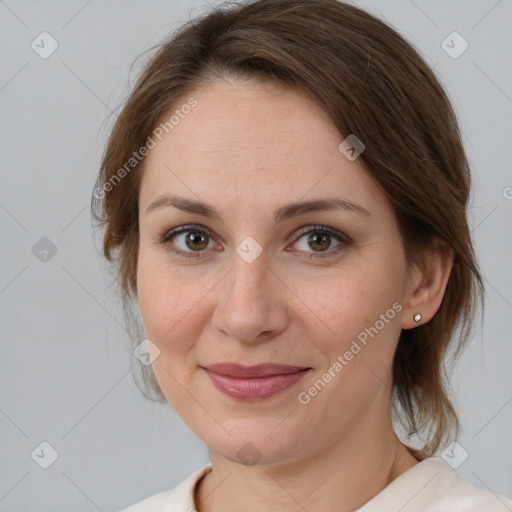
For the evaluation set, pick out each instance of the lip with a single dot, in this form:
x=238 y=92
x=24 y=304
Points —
x=253 y=382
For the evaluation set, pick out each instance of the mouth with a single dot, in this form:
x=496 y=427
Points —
x=254 y=382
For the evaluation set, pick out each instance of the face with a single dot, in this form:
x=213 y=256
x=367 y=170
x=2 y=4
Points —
x=319 y=289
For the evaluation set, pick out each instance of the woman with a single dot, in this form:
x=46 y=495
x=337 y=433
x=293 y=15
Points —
x=285 y=191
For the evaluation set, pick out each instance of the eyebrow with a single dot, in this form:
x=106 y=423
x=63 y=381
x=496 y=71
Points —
x=286 y=212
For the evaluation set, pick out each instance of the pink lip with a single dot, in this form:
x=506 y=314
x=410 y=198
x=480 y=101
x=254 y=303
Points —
x=253 y=382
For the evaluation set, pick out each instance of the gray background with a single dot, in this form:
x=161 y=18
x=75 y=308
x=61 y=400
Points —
x=66 y=373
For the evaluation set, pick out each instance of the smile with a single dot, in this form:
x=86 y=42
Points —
x=256 y=382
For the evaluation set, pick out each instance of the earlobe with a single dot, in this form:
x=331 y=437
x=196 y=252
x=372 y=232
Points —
x=428 y=286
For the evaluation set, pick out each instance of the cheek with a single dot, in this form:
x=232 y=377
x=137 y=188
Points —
x=155 y=301
x=363 y=316
x=167 y=304
x=360 y=314
x=165 y=300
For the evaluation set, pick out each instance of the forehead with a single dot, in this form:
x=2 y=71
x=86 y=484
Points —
x=261 y=138
x=254 y=115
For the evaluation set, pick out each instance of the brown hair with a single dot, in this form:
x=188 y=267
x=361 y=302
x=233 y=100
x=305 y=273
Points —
x=371 y=83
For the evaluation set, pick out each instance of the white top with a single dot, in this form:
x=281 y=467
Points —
x=429 y=486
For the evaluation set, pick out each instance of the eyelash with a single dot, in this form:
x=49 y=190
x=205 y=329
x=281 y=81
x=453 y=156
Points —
x=167 y=236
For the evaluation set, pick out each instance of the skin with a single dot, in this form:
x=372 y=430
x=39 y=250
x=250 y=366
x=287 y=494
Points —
x=248 y=148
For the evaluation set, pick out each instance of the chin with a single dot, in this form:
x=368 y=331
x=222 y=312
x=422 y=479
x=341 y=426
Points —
x=253 y=446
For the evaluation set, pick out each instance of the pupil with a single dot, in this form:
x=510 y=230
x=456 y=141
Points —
x=196 y=240
x=323 y=238
x=319 y=239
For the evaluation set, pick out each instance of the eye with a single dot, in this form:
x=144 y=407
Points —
x=192 y=241
x=187 y=241
x=320 y=237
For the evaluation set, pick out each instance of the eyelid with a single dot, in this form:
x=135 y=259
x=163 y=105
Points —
x=324 y=229
x=187 y=227
x=165 y=239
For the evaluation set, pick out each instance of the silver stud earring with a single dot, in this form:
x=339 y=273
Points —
x=417 y=317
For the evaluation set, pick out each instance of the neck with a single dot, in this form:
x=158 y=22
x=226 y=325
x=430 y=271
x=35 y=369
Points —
x=342 y=477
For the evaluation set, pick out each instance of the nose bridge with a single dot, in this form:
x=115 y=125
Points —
x=249 y=278
x=248 y=301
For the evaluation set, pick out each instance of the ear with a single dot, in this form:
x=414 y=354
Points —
x=427 y=285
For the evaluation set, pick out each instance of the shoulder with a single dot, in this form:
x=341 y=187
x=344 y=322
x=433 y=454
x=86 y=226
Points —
x=177 y=499
x=432 y=486
x=457 y=494
x=153 y=503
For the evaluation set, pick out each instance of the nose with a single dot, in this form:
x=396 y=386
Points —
x=251 y=306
